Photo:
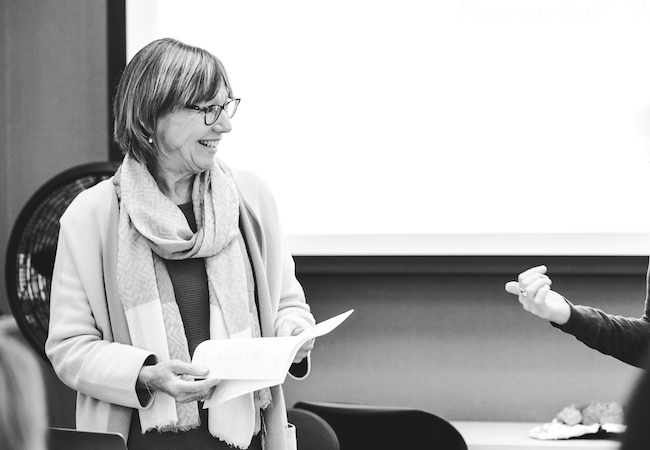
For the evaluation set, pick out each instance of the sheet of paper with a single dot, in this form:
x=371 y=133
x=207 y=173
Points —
x=246 y=365
x=245 y=359
x=229 y=389
x=324 y=327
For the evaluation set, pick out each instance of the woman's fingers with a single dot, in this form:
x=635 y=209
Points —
x=531 y=288
x=529 y=280
x=193 y=391
x=183 y=381
x=205 y=385
x=304 y=350
x=512 y=287
x=209 y=393
x=532 y=271
x=525 y=278
x=540 y=297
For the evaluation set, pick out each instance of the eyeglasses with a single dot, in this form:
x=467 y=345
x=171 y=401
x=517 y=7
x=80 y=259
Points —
x=211 y=112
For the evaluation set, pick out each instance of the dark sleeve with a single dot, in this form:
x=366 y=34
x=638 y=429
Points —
x=624 y=338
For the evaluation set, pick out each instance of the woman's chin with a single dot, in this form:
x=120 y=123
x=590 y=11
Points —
x=207 y=163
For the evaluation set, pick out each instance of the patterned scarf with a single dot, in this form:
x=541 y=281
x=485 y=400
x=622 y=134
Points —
x=153 y=228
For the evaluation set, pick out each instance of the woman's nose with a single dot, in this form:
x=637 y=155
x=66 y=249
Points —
x=223 y=123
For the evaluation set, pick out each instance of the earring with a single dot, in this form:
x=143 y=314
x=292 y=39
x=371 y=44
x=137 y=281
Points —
x=150 y=140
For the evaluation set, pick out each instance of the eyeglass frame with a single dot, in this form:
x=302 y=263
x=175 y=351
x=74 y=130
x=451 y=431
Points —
x=206 y=109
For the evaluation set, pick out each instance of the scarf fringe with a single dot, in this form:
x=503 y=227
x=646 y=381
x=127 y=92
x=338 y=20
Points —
x=172 y=427
x=230 y=442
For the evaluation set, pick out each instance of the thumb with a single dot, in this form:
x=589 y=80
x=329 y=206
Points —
x=512 y=287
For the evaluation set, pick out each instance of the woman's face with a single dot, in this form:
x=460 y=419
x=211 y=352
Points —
x=187 y=145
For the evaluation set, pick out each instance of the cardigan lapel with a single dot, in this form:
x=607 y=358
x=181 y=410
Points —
x=254 y=237
x=116 y=313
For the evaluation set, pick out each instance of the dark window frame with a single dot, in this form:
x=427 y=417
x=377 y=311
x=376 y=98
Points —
x=116 y=53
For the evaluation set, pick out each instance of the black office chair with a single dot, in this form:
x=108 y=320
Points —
x=32 y=247
x=312 y=431
x=383 y=427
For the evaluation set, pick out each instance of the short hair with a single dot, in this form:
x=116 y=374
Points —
x=162 y=77
x=23 y=406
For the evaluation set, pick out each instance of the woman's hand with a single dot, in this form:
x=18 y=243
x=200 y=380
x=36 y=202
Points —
x=176 y=378
x=289 y=328
x=534 y=290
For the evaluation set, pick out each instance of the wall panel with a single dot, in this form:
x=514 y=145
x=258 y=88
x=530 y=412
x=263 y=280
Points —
x=55 y=103
x=434 y=336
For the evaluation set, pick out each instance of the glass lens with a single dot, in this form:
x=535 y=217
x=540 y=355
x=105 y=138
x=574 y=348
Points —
x=212 y=114
x=231 y=107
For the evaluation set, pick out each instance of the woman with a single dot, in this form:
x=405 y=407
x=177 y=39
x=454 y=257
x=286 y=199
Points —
x=175 y=249
x=625 y=338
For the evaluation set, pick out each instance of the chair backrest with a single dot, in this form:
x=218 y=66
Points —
x=70 y=439
x=366 y=426
x=312 y=431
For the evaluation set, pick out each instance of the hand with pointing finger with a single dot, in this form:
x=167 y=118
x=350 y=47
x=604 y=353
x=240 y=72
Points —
x=533 y=287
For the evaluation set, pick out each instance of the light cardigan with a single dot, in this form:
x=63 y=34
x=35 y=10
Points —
x=88 y=341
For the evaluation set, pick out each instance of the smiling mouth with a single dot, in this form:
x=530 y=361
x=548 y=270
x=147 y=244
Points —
x=209 y=144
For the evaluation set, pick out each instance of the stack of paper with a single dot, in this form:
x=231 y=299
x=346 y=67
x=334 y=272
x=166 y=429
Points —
x=246 y=365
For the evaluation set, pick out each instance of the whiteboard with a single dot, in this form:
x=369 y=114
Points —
x=435 y=127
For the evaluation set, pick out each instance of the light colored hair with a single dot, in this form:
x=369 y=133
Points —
x=162 y=77
x=23 y=406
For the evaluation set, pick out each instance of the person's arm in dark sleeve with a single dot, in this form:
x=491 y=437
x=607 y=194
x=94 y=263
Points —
x=624 y=338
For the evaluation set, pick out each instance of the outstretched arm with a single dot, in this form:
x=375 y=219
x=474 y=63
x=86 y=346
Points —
x=625 y=338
